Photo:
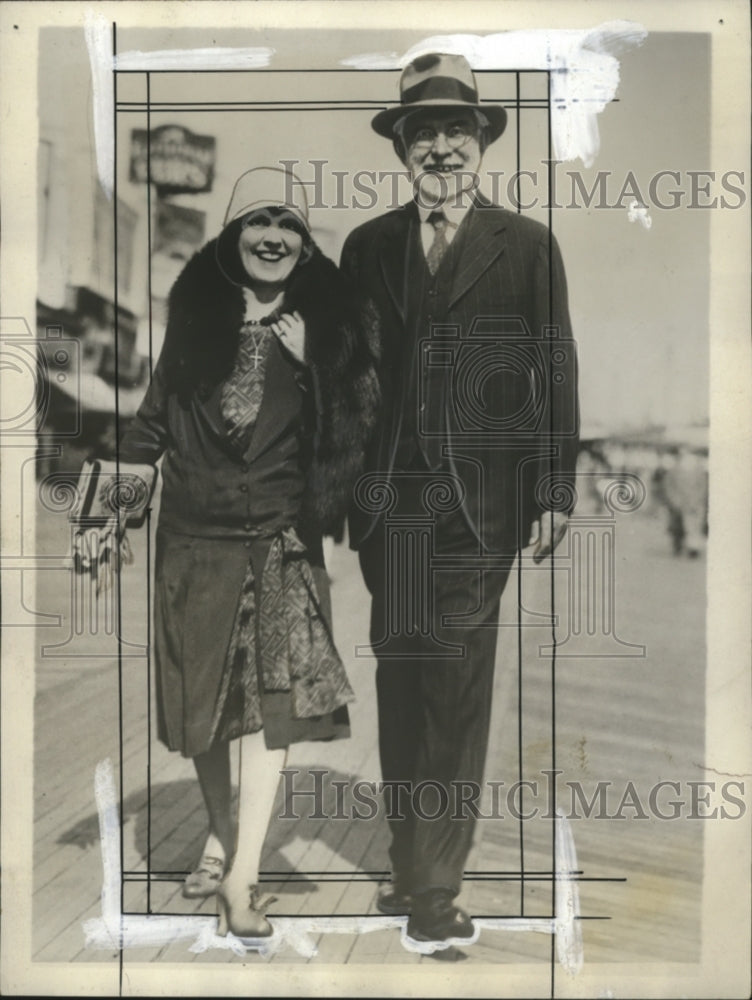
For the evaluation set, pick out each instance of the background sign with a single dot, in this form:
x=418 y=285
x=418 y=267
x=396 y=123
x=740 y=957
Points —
x=179 y=231
x=181 y=161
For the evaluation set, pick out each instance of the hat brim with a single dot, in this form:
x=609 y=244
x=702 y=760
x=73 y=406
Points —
x=383 y=123
x=269 y=203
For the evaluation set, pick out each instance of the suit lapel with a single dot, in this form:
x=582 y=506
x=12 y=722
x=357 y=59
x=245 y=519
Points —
x=483 y=242
x=392 y=256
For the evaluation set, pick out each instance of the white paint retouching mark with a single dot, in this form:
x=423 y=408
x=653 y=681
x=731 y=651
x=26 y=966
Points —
x=98 y=34
x=583 y=64
x=115 y=930
x=567 y=926
x=188 y=60
x=639 y=213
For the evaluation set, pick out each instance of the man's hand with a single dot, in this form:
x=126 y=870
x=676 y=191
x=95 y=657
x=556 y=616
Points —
x=548 y=531
x=290 y=329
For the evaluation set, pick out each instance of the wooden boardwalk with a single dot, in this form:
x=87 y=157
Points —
x=617 y=720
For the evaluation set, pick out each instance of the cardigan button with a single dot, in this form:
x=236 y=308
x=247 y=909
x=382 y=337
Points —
x=243 y=487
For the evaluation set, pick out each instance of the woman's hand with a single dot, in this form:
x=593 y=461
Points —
x=290 y=330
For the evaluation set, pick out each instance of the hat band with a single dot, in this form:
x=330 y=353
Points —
x=445 y=88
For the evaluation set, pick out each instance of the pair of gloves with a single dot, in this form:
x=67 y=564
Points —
x=100 y=551
x=110 y=494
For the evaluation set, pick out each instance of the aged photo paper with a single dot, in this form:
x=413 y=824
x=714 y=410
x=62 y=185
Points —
x=609 y=844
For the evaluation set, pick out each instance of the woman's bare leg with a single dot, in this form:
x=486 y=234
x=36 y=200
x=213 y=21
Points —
x=238 y=909
x=257 y=788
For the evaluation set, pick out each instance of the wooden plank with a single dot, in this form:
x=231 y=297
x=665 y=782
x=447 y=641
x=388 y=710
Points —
x=66 y=899
x=69 y=944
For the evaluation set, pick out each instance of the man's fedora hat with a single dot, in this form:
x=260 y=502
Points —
x=435 y=81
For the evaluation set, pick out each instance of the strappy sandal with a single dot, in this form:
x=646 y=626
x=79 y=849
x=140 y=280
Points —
x=241 y=919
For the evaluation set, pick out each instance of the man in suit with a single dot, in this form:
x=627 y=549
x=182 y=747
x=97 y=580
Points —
x=476 y=449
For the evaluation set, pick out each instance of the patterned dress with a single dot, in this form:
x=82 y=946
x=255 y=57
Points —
x=243 y=390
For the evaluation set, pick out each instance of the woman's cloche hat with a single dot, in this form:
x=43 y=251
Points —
x=434 y=81
x=268 y=186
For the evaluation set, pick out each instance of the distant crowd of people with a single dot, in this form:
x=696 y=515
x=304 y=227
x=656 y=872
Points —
x=675 y=478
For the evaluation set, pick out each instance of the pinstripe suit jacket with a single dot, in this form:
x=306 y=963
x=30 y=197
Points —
x=505 y=348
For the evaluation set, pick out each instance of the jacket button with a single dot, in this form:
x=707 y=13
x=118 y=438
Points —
x=243 y=488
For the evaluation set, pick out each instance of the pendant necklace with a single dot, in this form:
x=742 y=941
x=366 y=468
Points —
x=258 y=340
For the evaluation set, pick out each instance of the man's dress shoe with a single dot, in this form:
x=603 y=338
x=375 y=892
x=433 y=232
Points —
x=434 y=917
x=393 y=901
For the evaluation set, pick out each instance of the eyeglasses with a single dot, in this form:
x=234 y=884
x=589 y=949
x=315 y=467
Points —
x=455 y=135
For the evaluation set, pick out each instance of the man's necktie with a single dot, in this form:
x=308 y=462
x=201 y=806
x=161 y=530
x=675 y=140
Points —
x=440 y=245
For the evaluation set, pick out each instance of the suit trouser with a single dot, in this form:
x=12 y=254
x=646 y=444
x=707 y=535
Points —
x=434 y=710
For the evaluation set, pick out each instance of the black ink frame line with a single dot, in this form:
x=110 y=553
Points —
x=329 y=105
x=131 y=106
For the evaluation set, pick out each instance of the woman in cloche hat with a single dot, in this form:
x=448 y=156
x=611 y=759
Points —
x=261 y=404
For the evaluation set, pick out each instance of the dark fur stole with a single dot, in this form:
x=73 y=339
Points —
x=206 y=311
